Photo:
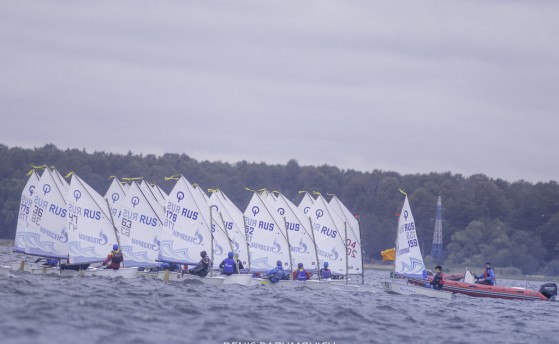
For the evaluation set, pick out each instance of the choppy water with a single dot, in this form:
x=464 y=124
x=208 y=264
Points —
x=53 y=309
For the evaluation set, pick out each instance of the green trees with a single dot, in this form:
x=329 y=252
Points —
x=511 y=224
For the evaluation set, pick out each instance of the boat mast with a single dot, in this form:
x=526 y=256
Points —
x=437 y=248
x=362 y=253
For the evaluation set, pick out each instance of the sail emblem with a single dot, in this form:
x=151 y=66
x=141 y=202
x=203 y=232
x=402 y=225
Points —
x=180 y=196
x=236 y=244
x=281 y=211
x=63 y=236
x=103 y=237
x=31 y=190
x=406 y=215
x=198 y=237
x=46 y=188
x=276 y=247
x=156 y=244
x=218 y=250
x=77 y=194
x=319 y=213
x=135 y=201
x=302 y=247
x=255 y=210
x=334 y=254
x=115 y=196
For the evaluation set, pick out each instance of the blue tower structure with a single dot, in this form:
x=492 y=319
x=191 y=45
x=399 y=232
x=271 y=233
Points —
x=437 y=248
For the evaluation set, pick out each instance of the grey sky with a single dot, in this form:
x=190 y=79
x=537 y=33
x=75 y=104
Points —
x=406 y=86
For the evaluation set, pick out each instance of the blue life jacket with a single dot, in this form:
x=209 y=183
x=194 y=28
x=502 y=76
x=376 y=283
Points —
x=228 y=266
x=325 y=273
x=276 y=274
x=301 y=275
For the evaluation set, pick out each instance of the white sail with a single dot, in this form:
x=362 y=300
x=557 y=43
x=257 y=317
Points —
x=353 y=240
x=139 y=228
x=91 y=231
x=233 y=220
x=24 y=213
x=306 y=203
x=46 y=233
x=186 y=230
x=303 y=249
x=115 y=195
x=266 y=235
x=409 y=261
x=153 y=195
x=221 y=242
x=329 y=235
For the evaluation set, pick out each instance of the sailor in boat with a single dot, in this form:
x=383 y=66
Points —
x=325 y=272
x=488 y=276
x=301 y=274
x=238 y=262
x=277 y=273
x=228 y=265
x=49 y=262
x=203 y=267
x=115 y=257
x=438 y=280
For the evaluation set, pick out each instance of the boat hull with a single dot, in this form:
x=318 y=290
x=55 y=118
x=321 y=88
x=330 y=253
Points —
x=111 y=273
x=394 y=287
x=242 y=279
x=177 y=277
x=499 y=292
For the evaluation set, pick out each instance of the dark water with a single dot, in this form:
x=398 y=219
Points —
x=53 y=309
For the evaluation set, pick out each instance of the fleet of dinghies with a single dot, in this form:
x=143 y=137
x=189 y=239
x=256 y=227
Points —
x=74 y=226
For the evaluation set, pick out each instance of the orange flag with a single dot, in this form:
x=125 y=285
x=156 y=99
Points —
x=389 y=254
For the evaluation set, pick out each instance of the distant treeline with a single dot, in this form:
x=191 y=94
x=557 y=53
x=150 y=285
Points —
x=510 y=224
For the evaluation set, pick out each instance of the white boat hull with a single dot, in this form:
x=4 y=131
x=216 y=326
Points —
x=24 y=266
x=177 y=276
x=54 y=271
x=394 y=287
x=111 y=273
x=242 y=279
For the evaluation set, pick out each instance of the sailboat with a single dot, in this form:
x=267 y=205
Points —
x=408 y=264
x=267 y=237
x=353 y=239
x=91 y=231
x=233 y=223
x=186 y=232
x=44 y=233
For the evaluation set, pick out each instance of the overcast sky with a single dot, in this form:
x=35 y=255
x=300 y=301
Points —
x=407 y=86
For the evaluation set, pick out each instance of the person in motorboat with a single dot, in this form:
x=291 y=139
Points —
x=301 y=274
x=239 y=263
x=277 y=273
x=438 y=279
x=228 y=265
x=203 y=267
x=488 y=276
x=325 y=272
x=115 y=257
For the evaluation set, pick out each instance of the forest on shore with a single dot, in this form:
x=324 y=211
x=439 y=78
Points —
x=511 y=224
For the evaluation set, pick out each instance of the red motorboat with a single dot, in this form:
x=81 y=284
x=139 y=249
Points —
x=548 y=291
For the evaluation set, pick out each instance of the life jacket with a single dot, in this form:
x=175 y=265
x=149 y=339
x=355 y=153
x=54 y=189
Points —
x=301 y=275
x=442 y=280
x=486 y=274
x=277 y=275
x=228 y=266
x=117 y=257
x=325 y=273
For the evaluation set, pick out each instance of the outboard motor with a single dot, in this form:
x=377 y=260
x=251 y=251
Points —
x=549 y=290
